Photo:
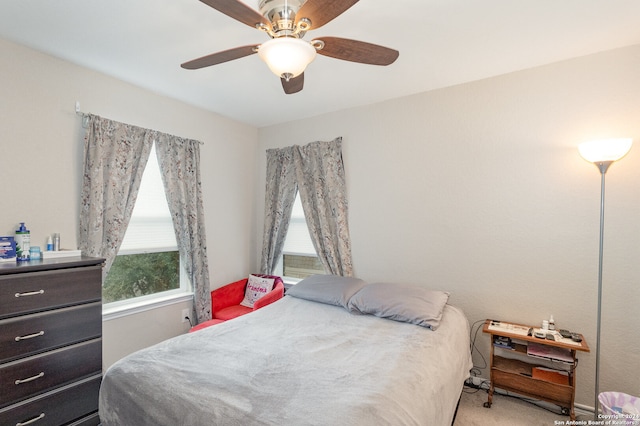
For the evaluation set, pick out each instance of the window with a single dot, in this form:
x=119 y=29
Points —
x=299 y=258
x=148 y=264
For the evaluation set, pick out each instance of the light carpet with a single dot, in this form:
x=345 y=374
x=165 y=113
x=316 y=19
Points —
x=505 y=410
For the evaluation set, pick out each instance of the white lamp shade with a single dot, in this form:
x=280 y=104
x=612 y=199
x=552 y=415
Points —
x=603 y=150
x=287 y=56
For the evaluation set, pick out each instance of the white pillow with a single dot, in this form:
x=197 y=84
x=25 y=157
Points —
x=256 y=288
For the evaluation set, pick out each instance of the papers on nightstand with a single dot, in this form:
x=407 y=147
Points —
x=549 y=352
x=508 y=328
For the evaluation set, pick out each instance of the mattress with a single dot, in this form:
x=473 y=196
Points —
x=295 y=362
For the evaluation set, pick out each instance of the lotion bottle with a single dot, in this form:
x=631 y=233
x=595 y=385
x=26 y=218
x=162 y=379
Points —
x=23 y=243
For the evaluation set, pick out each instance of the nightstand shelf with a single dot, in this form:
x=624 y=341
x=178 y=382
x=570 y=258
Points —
x=512 y=369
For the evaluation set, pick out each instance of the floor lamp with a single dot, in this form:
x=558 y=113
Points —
x=602 y=153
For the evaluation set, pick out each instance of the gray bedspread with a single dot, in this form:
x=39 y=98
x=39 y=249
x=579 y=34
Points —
x=294 y=362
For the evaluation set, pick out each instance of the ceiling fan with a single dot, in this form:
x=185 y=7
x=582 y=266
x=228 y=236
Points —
x=286 y=22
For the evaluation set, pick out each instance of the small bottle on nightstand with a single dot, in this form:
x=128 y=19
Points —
x=552 y=323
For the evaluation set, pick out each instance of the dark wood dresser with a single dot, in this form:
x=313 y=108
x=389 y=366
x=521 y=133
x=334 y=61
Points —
x=50 y=341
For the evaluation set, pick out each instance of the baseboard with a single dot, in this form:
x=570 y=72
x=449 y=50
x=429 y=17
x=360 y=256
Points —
x=482 y=383
x=583 y=410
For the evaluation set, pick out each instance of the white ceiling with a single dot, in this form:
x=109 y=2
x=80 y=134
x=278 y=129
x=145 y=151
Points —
x=441 y=43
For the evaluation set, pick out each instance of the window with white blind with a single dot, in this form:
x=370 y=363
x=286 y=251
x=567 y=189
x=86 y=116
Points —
x=299 y=258
x=148 y=263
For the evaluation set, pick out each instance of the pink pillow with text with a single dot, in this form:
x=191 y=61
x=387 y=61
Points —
x=256 y=288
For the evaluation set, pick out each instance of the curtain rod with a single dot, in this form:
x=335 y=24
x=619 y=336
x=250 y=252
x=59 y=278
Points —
x=85 y=119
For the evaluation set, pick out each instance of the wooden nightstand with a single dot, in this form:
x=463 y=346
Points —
x=533 y=367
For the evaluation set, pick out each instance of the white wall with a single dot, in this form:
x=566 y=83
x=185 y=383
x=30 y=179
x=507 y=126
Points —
x=41 y=169
x=478 y=189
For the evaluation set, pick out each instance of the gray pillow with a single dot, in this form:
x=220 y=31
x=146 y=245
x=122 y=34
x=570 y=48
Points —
x=401 y=302
x=329 y=289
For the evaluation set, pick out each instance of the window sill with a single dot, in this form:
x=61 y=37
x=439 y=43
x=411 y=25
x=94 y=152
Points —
x=289 y=282
x=110 y=313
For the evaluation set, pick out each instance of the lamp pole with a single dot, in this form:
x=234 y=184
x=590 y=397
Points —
x=602 y=166
x=602 y=153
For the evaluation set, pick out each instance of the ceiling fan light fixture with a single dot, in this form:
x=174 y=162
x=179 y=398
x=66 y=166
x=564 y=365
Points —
x=287 y=57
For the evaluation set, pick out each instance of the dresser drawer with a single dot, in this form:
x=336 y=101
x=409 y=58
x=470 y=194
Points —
x=39 y=373
x=58 y=407
x=35 y=291
x=90 y=420
x=30 y=334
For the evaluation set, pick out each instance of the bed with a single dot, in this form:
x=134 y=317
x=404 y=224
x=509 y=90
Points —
x=299 y=361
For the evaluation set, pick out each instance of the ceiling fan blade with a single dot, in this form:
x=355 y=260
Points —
x=294 y=85
x=220 y=57
x=238 y=11
x=320 y=12
x=357 y=51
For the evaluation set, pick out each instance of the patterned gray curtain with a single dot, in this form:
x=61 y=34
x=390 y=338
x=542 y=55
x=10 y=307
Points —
x=321 y=182
x=179 y=161
x=115 y=156
x=280 y=193
x=317 y=171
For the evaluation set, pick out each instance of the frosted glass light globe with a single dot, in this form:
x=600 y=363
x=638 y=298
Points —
x=599 y=151
x=287 y=57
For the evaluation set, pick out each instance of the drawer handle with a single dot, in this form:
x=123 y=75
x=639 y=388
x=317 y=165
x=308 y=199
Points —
x=33 y=420
x=30 y=293
x=37 y=376
x=29 y=336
